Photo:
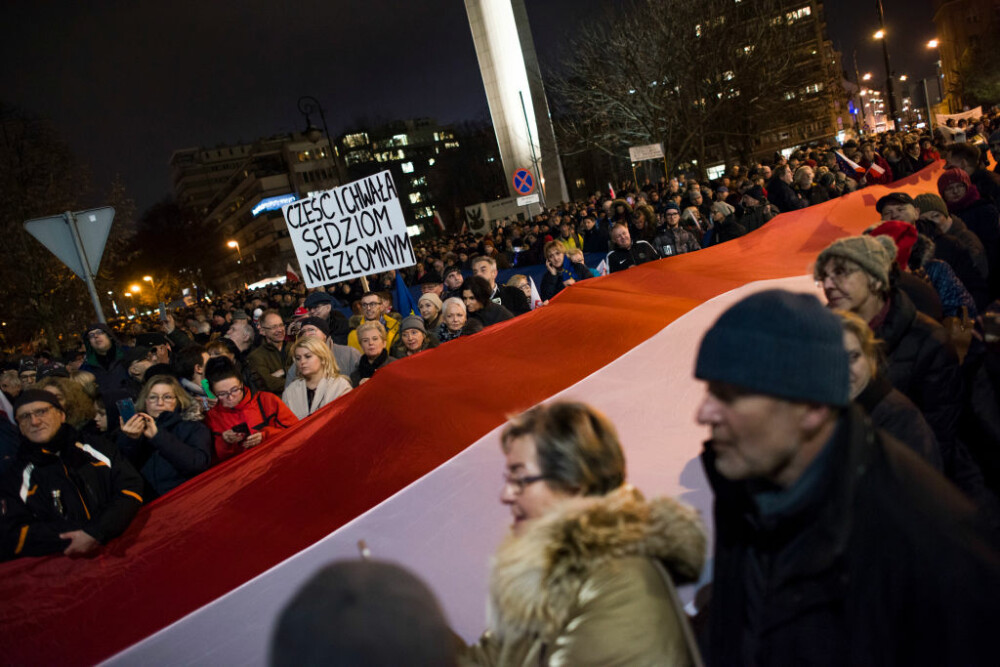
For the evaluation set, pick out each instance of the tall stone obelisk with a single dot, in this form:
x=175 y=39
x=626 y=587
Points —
x=515 y=94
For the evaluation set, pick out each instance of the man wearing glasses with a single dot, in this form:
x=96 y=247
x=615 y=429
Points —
x=270 y=360
x=372 y=311
x=62 y=495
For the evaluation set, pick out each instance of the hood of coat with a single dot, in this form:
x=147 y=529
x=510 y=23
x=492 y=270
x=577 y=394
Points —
x=537 y=577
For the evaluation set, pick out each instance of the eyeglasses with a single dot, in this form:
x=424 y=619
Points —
x=166 y=398
x=273 y=328
x=838 y=275
x=519 y=484
x=30 y=416
x=371 y=304
x=231 y=393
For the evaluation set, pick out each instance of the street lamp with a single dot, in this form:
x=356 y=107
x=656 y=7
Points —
x=867 y=76
x=136 y=288
x=879 y=34
x=235 y=244
x=307 y=105
x=933 y=44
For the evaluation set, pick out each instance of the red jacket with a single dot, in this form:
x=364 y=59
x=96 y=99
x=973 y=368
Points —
x=261 y=412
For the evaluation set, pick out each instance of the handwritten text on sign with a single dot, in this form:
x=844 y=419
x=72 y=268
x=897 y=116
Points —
x=349 y=231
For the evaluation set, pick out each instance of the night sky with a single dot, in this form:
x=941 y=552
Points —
x=128 y=83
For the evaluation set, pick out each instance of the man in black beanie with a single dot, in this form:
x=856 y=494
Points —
x=61 y=494
x=835 y=544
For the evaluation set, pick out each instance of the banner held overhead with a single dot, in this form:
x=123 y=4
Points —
x=350 y=231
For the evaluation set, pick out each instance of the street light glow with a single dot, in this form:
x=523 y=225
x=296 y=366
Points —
x=148 y=279
x=136 y=288
x=933 y=44
x=902 y=77
x=880 y=34
x=232 y=244
x=867 y=76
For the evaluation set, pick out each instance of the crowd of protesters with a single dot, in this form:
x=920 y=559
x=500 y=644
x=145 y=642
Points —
x=132 y=412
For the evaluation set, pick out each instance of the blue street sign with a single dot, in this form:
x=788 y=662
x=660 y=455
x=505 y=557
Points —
x=524 y=182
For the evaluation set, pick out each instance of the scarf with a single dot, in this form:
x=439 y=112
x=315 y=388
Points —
x=367 y=368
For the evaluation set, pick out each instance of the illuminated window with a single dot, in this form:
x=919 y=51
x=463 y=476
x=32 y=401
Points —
x=407 y=167
x=430 y=163
x=418 y=182
x=355 y=140
x=416 y=197
x=797 y=14
x=580 y=183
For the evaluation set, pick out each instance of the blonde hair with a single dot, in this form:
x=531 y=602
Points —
x=377 y=326
x=184 y=400
x=78 y=406
x=322 y=351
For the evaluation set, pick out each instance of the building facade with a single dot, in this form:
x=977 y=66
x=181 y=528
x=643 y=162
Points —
x=410 y=149
x=963 y=26
x=236 y=193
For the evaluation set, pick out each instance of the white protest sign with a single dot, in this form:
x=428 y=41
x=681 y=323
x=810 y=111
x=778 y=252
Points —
x=647 y=152
x=349 y=231
x=943 y=118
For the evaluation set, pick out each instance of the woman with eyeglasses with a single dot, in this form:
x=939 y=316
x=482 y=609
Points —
x=166 y=439
x=586 y=576
x=242 y=418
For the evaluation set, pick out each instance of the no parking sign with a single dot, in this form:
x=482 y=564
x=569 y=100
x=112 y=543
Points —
x=524 y=182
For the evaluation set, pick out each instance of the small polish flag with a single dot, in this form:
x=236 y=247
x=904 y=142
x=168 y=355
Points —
x=602 y=268
x=536 y=298
x=437 y=221
x=877 y=169
x=611 y=190
x=290 y=274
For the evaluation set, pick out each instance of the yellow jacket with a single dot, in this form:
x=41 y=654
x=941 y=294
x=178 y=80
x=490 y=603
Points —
x=391 y=328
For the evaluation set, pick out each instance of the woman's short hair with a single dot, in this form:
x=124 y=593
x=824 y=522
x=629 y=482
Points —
x=553 y=245
x=453 y=301
x=377 y=326
x=184 y=400
x=577 y=446
x=322 y=351
x=480 y=289
x=517 y=280
x=870 y=345
x=221 y=368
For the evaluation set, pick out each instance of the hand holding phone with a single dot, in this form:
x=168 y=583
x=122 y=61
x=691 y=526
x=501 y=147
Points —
x=126 y=408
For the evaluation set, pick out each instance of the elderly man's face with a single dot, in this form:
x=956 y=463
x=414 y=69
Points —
x=621 y=238
x=754 y=436
x=39 y=421
x=487 y=271
x=273 y=329
x=904 y=212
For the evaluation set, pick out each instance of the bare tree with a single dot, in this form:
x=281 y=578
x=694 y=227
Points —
x=701 y=77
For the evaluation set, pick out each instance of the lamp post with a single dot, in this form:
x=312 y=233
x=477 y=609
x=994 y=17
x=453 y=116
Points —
x=880 y=35
x=235 y=244
x=933 y=44
x=307 y=105
x=861 y=99
x=152 y=285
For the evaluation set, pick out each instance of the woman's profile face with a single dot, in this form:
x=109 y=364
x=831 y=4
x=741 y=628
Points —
x=860 y=365
x=428 y=310
x=527 y=495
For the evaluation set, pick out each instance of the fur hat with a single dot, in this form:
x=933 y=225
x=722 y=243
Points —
x=780 y=344
x=930 y=202
x=874 y=256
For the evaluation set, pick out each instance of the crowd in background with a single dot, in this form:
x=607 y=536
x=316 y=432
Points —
x=176 y=394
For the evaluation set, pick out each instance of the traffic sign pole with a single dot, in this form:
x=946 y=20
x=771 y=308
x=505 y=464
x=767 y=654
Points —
x=88 y=276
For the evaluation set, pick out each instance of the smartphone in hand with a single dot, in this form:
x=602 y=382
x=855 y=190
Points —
x=126 y=408
x=242 y=429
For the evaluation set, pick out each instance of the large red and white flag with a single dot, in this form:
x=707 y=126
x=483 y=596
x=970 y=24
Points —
x=291 y=275
x=202 y=573
x=536 y=298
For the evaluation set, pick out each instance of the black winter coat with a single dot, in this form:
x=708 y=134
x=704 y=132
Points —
x=878 y=562
x=922 y=365
x=552 y=285
x=783 y=196
x=68 y=485
x=894 y=413
x=181 y=448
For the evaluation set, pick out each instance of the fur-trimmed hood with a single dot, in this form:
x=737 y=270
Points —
x=537 y=577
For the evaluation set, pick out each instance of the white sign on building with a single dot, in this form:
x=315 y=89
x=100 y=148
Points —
x=350 y=231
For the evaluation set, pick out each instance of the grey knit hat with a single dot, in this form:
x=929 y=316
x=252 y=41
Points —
x=412 y=322
x=930 y=202
x=872 y=254
x=780 y=344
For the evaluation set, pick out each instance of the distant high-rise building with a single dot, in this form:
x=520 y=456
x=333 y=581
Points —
x=408 y=148
x=236 y=192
